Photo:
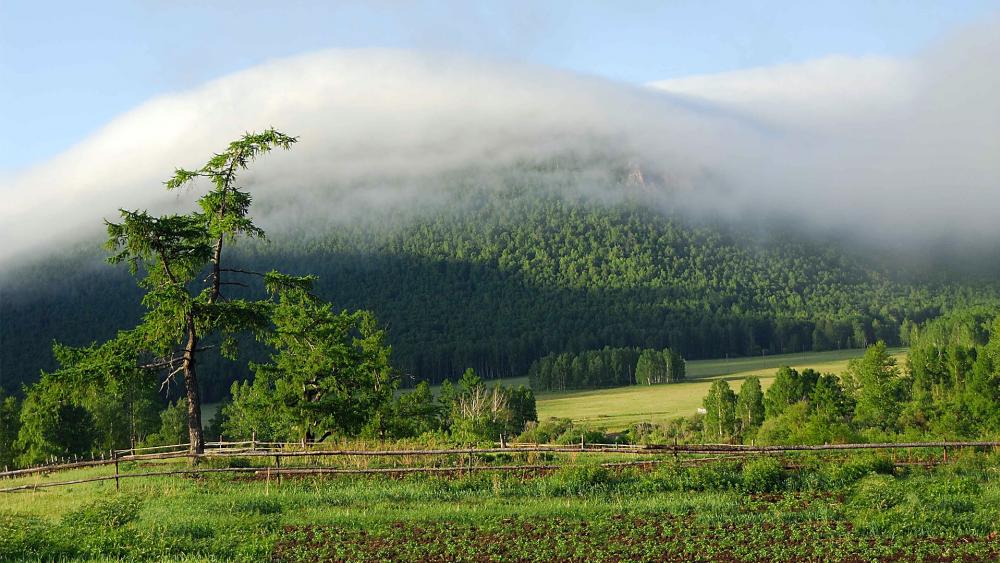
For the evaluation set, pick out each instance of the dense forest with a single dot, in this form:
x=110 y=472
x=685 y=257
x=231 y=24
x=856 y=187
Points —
x=509 y=273
x=607 y=367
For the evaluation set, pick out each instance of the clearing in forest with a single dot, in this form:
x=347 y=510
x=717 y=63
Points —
x=616 y=408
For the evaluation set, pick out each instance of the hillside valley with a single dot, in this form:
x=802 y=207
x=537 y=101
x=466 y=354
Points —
x=511 y=270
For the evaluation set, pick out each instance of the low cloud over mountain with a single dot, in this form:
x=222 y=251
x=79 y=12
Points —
x=891 y=147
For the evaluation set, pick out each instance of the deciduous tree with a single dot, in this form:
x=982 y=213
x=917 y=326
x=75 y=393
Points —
x=750 y=405
x=720 y=412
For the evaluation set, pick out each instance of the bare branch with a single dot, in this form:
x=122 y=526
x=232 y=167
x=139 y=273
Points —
x=170 y=378
x=239 y=271
x=162 y=363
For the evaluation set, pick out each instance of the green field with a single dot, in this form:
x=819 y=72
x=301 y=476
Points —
x=854 y=509
x=615 y=409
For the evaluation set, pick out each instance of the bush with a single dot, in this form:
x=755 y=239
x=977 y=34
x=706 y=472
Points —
x=579 y=480
x=257 y=505
x=574 y=435
x=683 y=430
x=112 y=512
x=763 y=475
x=879 y=492
x=854 y=469
x=715 y=477
x=28 y=538
x=546 y=431
x=666 y=477
x=718 y=476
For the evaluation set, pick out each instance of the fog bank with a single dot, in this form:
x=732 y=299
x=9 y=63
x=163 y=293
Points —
x=891 y=148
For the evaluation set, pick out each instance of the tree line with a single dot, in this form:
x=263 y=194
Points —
x=555 y=272
x=948 y=388
x=607 y=367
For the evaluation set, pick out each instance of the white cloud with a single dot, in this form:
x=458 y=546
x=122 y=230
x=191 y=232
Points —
x=825 y=94
x=902 y=147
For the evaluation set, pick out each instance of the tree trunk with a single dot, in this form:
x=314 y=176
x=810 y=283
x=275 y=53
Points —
x=196 y=440
x=216 y=268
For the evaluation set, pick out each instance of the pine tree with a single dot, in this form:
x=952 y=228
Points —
x=174 y=250
x=879 y=387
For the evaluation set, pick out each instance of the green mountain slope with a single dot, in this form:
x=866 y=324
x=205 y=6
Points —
x=506 y=275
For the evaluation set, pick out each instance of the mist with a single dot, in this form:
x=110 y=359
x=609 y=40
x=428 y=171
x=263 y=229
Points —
x=891 y=149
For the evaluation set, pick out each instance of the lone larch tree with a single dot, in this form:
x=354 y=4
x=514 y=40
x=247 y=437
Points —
x=173 y=252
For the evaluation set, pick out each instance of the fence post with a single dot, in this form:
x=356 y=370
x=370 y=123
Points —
x=117 y=484
x=277 y=464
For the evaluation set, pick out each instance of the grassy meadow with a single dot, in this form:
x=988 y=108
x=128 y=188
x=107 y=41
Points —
x=616 y=408
x=861 y=508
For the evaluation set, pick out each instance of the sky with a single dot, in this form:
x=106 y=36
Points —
x=880 y=120
x=69 y=68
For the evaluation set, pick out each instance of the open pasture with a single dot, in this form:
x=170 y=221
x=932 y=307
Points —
x=616 y=408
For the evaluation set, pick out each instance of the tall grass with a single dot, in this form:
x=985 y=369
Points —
x=233 y=518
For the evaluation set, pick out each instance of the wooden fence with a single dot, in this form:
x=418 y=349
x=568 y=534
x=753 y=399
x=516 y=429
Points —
x=671 y=453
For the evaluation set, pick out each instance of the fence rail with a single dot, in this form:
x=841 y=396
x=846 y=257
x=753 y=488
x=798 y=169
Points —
x=279 y=450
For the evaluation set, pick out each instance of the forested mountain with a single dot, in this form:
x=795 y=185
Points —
x=506 y=274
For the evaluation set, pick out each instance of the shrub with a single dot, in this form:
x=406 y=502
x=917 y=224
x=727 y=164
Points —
x=763 y=475
x=257 y=505
x=666 y=477
x=580 y=480
x=854 y=469
x=720 y=476
x=545 y=431
x=574 y=435
x=28 y=538
x=111 y=512
x=879 y=492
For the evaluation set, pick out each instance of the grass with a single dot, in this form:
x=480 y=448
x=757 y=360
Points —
x=854 y=509
x=617 y=408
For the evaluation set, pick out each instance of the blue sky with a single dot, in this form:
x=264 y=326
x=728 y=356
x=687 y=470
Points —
x=67 y=68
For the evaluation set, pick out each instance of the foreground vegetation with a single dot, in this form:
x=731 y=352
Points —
x=856 y=508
